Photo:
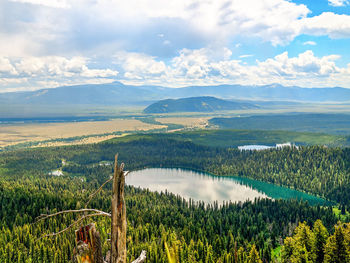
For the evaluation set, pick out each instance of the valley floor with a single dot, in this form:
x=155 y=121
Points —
x=96 y=131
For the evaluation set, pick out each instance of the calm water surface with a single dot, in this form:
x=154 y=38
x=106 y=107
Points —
x=209 y=188
x=255 y=147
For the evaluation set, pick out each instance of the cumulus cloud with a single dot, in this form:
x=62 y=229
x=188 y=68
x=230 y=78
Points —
x=338 y=2
x=327 y=23
x=157 y=28
x=139 y=66
x=49 y=72
x=6 y=67
x=305 y=65
x=59 y=66
x=204 y=67
x=163 y=42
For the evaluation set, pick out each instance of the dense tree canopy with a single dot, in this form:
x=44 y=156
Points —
x=193 y=232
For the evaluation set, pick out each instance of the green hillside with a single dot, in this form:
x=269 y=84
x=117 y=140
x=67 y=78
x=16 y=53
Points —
x=302 y=122
x=196 y=104
x=234 y=138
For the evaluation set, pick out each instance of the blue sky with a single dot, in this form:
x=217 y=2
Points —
x=45 y=44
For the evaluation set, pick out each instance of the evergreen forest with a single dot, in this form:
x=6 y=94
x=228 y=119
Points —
x=163 y=224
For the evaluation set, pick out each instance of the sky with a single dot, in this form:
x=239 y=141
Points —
x=174 y=43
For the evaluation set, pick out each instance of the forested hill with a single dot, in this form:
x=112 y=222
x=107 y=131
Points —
x=302 y=122
x=196 y=104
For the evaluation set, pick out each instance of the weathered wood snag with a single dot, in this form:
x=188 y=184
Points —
x=88 y=245
x=118 y=230
x=88 y=241
x=141 y=258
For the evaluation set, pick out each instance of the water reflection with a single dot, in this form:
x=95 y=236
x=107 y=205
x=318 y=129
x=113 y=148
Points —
x=254 y=147
x=209 y=188
x=195 y=185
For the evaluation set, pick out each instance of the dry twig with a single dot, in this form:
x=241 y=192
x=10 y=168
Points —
x=45 y=216
x=98 y=190
x=74 y=223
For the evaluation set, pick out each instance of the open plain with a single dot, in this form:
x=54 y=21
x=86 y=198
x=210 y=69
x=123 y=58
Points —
x=96 y=130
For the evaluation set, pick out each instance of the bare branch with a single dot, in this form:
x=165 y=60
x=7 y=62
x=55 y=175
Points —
x=98 y=190
x=121 y=168
x=141 y=258
x=74 y=223
x=43 y=216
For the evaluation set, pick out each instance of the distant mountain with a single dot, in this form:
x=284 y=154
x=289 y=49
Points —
x=93 y=94
x=196 y=104
x=116 y=93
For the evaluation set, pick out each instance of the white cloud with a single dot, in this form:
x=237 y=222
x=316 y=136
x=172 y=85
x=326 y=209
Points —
x=139 y=25
x=99 y=73
x=338 y=2
x=52 y=66
x=202 y=67
x=139 y=66
x=6 y=67
x=48 y=3
x=48 y=72
x=162 y=42
x=246 y=56
x=330 y=24
x=7 y=81
x=305 y=65
x=310 y=43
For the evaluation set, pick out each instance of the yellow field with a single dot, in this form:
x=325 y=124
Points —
x=188 y=122
x=14 y=134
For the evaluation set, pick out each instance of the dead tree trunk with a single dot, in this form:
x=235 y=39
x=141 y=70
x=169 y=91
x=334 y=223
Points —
x=87 y=241
x=118 y=231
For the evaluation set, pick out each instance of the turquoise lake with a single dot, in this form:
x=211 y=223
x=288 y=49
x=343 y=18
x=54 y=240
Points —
x=210 y=188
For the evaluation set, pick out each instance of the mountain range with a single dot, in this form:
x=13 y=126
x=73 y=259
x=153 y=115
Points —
x=116 y=93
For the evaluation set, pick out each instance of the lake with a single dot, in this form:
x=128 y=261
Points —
x=254 y=147
x=210 y=188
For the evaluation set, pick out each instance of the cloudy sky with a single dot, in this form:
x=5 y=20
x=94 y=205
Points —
x=48 y=43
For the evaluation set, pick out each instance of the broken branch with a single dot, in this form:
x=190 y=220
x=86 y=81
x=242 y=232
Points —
x=98 y=190
x=44 y=216
x=74 y=223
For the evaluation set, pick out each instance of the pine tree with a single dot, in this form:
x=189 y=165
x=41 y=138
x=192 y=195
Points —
x=253 y=256
x=241 y=255
x=335 y=249
x=321 y=235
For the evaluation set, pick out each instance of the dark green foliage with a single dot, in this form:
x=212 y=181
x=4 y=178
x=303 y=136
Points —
x=152 y=219
x=234 y=138
x=193 y=231
x=315 y=169
x=327 y=123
